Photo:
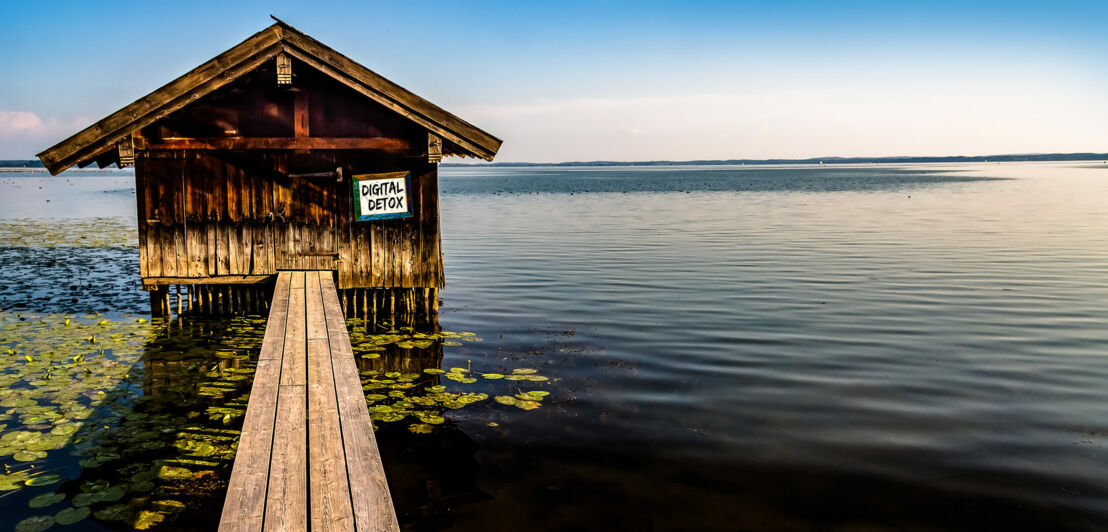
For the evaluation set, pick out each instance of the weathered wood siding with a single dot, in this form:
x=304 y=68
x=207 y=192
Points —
x=208 y=214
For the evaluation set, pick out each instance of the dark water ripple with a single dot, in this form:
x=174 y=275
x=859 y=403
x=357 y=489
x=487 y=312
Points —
x=71 y=280
x=884 y=357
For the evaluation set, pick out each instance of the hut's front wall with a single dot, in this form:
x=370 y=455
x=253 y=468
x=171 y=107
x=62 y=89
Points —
x=207 y=214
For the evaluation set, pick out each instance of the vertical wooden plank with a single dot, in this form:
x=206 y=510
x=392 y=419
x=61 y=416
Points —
x=300 y=114
x=293 y=369
x=369 y=490
x=244 y=506
x=329 y=489
x=140 y=209
x=288 y=470
x=288 y=473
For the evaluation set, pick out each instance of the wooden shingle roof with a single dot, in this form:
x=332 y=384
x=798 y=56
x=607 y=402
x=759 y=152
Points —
x=280 y=37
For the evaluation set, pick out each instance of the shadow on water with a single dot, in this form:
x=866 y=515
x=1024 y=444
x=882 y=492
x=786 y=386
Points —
x=137 y=433
x=417 y=404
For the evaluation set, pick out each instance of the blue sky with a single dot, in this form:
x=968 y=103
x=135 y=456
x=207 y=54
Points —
x=621 y=80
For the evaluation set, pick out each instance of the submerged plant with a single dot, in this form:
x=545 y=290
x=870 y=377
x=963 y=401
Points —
x=416 y=395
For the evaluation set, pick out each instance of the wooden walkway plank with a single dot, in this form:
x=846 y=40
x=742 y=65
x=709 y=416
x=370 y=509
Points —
x=294 y=364
x=369 y=489
x=245 y=503
x=307 y=458
x=287 y=498
x=330 y=489
x=288 y=472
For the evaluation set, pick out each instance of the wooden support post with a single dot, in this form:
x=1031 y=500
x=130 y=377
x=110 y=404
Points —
x=180 y=300
x=156 y=297
x=300 y=115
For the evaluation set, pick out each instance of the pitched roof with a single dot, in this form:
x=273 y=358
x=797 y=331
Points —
x=102 y=136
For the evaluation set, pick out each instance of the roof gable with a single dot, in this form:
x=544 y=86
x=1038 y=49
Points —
x=280 y=37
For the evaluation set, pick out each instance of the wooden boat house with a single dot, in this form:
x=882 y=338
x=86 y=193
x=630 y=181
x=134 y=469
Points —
x=281 y=154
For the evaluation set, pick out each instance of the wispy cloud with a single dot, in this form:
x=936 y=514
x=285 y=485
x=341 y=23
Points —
x=24 y=133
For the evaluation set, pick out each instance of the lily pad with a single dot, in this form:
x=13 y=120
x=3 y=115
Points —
x=44 y=480
x=35 y=524
x=71 y=515
x=85 y=499
x=115 y=512
x=174 y=473
x=147 y=519
x=46 y=499
x=420 y=428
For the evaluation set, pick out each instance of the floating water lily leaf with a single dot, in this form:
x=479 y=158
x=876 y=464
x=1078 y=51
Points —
x=524 y=371
x=420 y=428
x=111 y=494
x=71 y=515
x=168 y=505
x=470 y=398
x=528 y=405
x=434 y=371
x=451 y=344
x=29 y=456
x=492 y=376
x=147 y=519
x=85 y=499
x=506 y=399
x=174 y=473
x=432 y=419
x=46 y=499
x=44 y=480
x=35 y=524
x=115 y=512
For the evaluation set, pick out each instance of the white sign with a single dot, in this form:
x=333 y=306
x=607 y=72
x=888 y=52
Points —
x=382 y=196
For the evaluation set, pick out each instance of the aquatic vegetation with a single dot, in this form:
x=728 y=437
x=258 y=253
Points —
x=145 y=411
x=415 y=394
x=78 y=232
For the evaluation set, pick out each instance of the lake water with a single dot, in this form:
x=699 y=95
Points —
x=730 y=348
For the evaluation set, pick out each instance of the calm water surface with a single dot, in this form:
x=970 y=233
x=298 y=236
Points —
x=737 y=348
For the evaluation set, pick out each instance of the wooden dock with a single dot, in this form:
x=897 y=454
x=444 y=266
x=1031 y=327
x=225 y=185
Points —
x=307 y=458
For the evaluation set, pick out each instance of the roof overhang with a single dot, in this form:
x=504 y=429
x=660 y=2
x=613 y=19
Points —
x=95 y=141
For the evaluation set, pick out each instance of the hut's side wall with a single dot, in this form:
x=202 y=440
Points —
x=204 y=215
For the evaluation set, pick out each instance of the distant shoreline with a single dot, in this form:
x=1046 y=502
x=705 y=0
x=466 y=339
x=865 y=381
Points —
x=30 y=164
x=1032 y=157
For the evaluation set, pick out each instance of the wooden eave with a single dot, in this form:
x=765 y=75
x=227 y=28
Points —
x=93 y=142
